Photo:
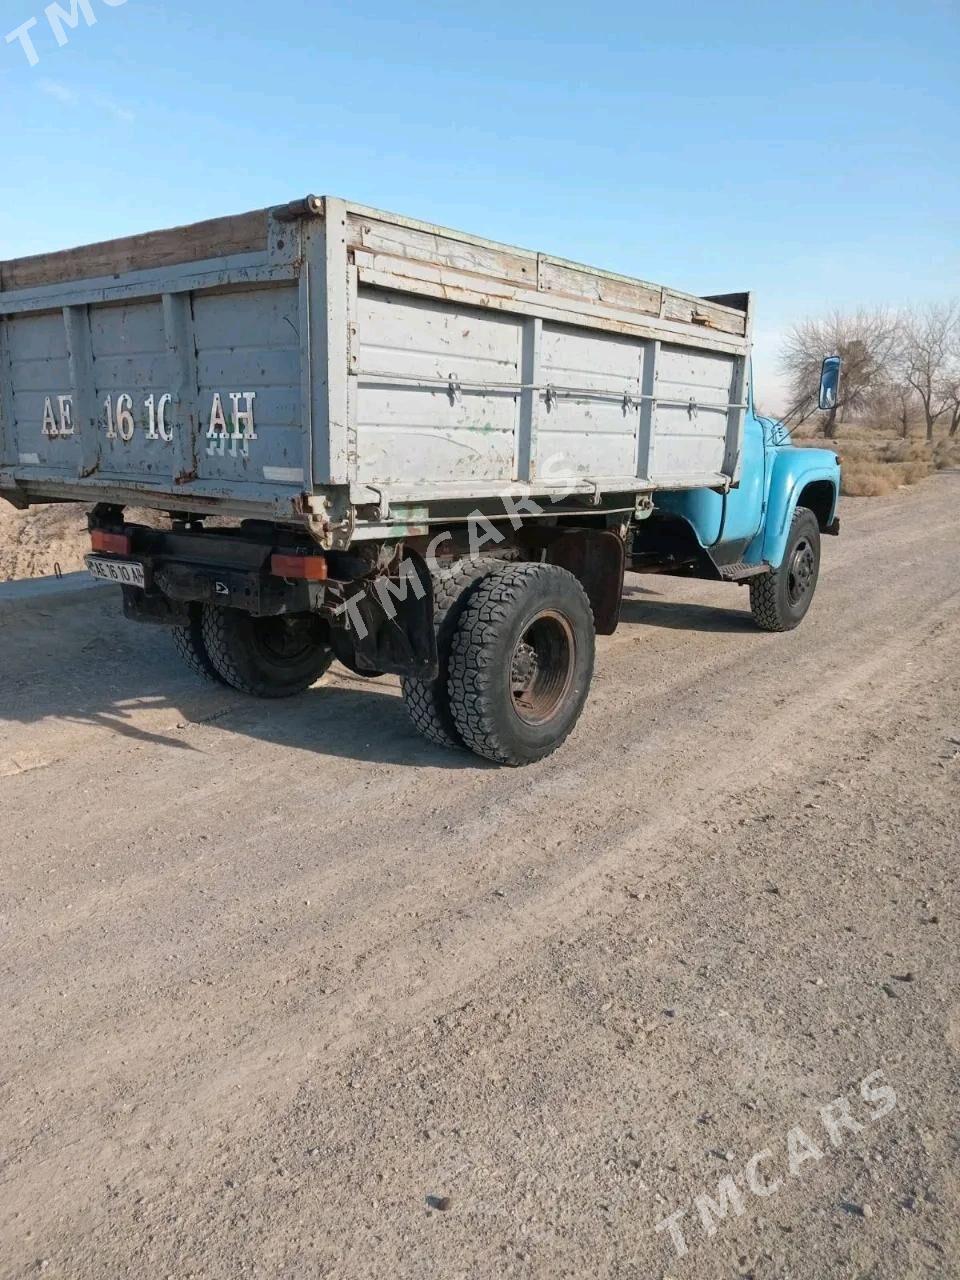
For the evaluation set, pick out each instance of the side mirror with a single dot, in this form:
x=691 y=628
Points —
x=830 y=382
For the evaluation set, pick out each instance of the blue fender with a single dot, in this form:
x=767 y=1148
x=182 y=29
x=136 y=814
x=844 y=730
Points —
x=791 y=471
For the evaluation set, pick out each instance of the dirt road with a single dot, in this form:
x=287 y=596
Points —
x=287 y=992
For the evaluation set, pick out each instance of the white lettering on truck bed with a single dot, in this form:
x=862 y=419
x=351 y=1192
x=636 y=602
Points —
x=120 y=421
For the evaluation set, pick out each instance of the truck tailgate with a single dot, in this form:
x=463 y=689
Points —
x=198 y=390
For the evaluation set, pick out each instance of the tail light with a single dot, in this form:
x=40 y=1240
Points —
x=114 y=544
x=303 y=568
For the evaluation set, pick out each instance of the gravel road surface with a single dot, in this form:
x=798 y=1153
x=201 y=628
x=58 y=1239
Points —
x=287 y=992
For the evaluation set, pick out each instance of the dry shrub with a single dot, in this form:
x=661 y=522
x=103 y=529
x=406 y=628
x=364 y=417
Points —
x=872 y=479
x=946 y=455
x=911 y=472
x=908 y=451
x=876 y=463
x=868 y=452
x=867 y=480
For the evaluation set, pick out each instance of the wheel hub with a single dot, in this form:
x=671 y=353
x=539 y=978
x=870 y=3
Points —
x=285 y=639
x=802 y=569
x=524 y=669
x=542 y=666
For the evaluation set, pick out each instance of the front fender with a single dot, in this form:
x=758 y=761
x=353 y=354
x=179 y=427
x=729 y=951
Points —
x=792 y=471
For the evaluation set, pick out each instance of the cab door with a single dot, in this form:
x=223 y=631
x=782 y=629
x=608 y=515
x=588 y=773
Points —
x=743 y=507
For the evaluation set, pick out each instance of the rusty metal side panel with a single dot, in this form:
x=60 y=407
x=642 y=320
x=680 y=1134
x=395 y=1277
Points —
x=7 y=455
x=39 y=393
x=692 y=415
x=337 y=348
x=565 y=280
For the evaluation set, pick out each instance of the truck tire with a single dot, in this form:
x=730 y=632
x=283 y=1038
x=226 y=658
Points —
x=190 y=646
x=265 y=657
x=427 y=701
x=521 y=663
x=779 y=600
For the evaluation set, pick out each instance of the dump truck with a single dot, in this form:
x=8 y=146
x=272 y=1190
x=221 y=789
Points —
x=411 y=450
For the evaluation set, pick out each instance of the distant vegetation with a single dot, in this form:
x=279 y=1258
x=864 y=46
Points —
x=897 y=419
x=875 y=464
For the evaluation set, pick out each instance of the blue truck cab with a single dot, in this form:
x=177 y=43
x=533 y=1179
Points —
x=765 y=531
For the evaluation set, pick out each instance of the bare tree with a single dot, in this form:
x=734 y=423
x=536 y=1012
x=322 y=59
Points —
x=905 y=401
x=865 y=341
x=929 y=358
x=950 y=385
x=898 y=390
x=893 y=404
x=951 y=397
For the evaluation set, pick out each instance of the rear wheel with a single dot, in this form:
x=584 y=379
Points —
x=779 y=600
x=427 y=701
x=190 y=646
x=266 y=657
x=521 y=663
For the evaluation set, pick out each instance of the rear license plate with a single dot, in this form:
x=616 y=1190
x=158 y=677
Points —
x=127 y=572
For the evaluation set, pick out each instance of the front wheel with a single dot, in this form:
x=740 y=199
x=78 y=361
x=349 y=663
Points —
x=521 y=663
x=779 y=600
x=266 y=657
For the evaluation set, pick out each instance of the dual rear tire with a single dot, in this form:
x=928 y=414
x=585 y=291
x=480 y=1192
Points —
x=516 y=644
x=516 y=647
x=516 y=651
x=265 y=657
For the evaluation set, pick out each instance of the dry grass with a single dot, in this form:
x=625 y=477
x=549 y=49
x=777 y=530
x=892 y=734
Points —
x=875 y=464
x=873 y=479
x=946 y=454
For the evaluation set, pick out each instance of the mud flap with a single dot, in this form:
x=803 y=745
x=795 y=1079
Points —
x=138 y=606
x=595 y=557
x=388 y=622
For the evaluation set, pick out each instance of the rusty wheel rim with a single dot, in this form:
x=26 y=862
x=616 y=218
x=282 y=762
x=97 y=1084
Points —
x=542 y=666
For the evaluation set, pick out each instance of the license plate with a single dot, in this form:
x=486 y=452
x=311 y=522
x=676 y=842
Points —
x=127 y=572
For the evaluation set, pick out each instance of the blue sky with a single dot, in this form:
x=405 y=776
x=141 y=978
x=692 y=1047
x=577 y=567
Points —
x=808 y=152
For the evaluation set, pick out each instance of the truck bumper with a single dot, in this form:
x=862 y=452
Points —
x=380 y=621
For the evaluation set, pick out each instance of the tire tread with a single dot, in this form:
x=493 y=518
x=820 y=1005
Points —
x=471 y=696
x=765 y=602
x=219 y=644
x=189 y=644
x=427 y=701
